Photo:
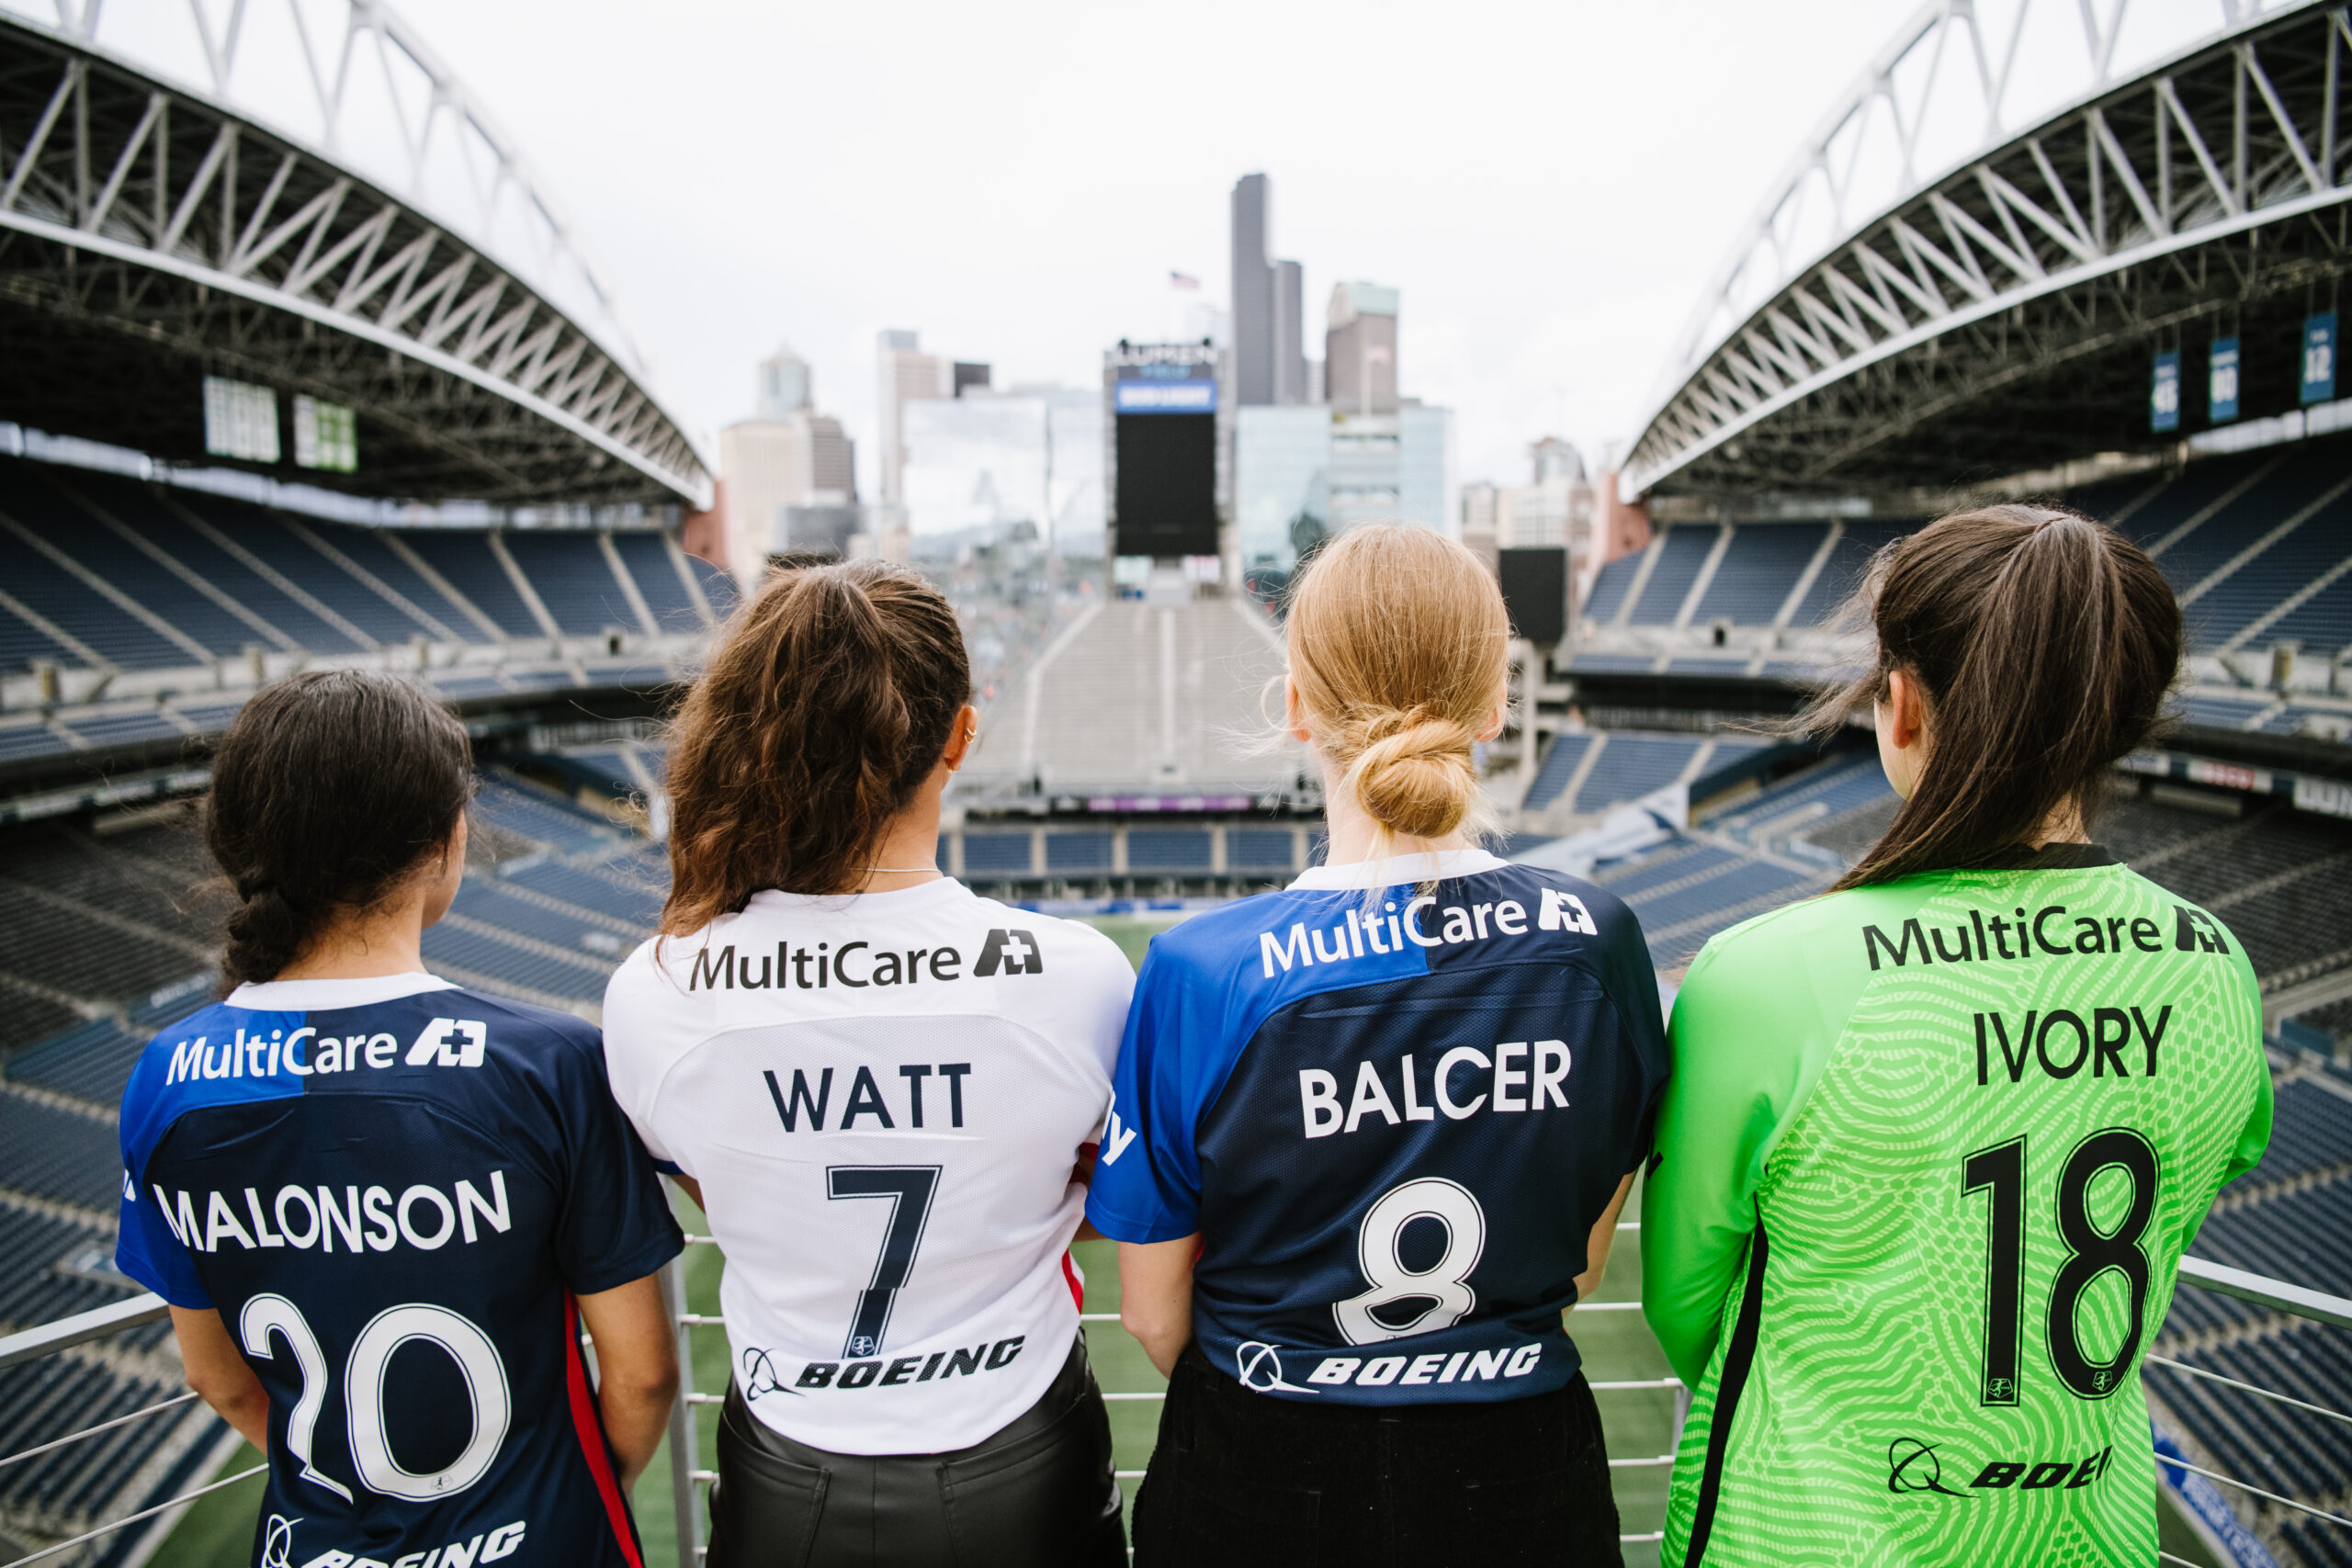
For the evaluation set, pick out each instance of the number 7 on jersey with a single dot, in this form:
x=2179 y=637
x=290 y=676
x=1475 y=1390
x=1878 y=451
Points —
x=909 y=1189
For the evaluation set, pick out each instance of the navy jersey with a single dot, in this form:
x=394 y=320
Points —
x=392 y=1189
x=1393 y=1127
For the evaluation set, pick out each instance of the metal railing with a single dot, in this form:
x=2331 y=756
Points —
x=687 y=1478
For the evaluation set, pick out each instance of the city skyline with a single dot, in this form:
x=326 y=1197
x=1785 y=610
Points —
x=1012 y=207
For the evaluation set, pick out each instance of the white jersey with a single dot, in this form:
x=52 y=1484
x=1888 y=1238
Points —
x=883 y=1096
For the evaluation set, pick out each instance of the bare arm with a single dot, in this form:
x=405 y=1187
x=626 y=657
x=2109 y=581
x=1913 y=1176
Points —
x=637 y=1369
x=1604 y=1235
x=1156 y=1296
x=693 y=1189
x=219 y=1373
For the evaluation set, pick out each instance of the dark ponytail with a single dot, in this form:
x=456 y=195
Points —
x=329 y=791
x=2045 y=645
x=826 y=702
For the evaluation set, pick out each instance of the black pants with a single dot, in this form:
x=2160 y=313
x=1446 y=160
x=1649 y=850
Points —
x=1036 y=1494
x=1242 y=1478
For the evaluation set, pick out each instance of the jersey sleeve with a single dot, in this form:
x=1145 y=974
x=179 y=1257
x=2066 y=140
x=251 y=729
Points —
x=2253 y=1134
x=148 y=1242
x=1641 y=1028
x=1146 y=1173
x=631 y=1024
x=615 y=1224
x=146 y=1250
x=1736 y=1047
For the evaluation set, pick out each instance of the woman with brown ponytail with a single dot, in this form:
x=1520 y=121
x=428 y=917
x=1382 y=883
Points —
x=1371 y=1133
x=882 y=1090
x=1937 y=1140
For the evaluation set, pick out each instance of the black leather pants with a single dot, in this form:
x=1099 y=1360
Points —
x=1038 y=1493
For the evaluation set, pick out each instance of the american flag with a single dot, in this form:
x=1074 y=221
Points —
x=1181 y=279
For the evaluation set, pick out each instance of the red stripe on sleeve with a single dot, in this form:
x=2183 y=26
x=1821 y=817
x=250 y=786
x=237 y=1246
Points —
x=1076 y=1281
x=590 y=1432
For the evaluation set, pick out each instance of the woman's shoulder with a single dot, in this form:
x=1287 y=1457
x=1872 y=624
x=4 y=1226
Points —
x=1788 y=940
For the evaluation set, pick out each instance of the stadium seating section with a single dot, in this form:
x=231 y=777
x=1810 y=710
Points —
x=101 y=572
x=2258 y=545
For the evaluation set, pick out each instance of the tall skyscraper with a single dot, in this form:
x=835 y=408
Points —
x=785 y=385
x=1253 y=292
x=1269 y=313
x=1290 y=339
x=903 y=372
x=1360 y=349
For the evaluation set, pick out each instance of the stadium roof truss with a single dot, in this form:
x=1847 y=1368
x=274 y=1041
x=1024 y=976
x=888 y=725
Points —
x=1998 y=308
x=445 y=299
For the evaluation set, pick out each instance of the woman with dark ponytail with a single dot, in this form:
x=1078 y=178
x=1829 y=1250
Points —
x=348 y=1158
x=884 y=1093
x=1936 y=1142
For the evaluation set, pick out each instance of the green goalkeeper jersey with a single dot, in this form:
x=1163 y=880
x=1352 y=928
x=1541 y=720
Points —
x=1929 y=1157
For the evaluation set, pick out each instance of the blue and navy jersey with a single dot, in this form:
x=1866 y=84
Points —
x=1392 y=1122
x=392 y=1190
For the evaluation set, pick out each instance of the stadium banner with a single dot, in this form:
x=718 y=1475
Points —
x=2221 y=381
x=2208 y=1511
x=2319 y=358
x=2163 y=392
x=1166 y=397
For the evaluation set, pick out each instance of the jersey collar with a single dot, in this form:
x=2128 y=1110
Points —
x=323 y=996
x=2050 y=857
x=1442 y=866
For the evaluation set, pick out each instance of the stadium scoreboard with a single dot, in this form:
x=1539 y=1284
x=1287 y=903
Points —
x=1164 y=401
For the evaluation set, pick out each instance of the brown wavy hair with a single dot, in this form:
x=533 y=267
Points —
x=826 y=702
x=2045 y=645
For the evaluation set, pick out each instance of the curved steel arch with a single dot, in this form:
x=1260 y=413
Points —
x=189 y=216
x=2054 y=228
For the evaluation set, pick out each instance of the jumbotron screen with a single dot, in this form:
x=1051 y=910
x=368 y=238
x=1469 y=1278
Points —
x=1166 y=493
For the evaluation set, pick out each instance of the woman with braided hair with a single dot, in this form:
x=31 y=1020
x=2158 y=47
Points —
x=1371 y=1133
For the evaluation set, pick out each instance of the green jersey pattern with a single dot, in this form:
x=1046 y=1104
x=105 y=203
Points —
x=1927 y=1164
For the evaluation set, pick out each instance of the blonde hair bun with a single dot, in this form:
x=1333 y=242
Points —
x=1399 y=646
x=1416 y=780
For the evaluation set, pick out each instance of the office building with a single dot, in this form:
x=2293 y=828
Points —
x=775 y=465
x=1290 y=339
x=1480 y=505
x=786 y=386
x=1269 y=323
x=966 y=377
x=1281 y=502
x=1360 y=349
x=787 y=456
x=1555 y=509
x=980 y=464
x=1305 y=473
x=1253 y=294
x=903 y=373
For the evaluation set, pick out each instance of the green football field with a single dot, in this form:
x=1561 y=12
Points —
x=1617 y=1347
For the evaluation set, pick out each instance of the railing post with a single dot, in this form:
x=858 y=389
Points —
x=685 y=1440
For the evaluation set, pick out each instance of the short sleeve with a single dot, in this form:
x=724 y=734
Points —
x=1146 y=1183
x=1736 y=1048
x=628 y=1027
x=147 y=1248
x=616 y=1223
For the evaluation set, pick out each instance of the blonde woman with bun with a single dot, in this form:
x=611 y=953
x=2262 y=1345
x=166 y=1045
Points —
x=1370 y=1135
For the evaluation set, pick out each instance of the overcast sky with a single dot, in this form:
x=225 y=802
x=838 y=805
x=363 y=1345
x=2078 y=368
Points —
x=1551 y=185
